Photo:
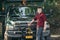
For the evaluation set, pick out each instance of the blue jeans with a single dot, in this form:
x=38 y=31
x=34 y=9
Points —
x=39 y=33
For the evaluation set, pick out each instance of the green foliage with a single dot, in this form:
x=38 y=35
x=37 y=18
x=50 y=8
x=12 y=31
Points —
x=0 y=7
x=54 y=18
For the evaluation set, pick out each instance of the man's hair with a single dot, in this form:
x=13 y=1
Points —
x=39 y=7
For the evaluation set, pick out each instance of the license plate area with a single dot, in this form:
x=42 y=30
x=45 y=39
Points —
x=29 y=37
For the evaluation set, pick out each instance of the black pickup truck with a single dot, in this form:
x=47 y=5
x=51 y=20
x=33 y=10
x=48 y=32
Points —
x=16 y=24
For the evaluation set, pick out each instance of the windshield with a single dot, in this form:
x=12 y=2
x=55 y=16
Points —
x=22 y=13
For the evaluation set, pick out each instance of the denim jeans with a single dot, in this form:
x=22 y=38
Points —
x=39 y=33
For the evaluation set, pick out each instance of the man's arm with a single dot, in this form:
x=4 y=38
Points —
x=35 y=18
x=45 y=21
x=31 y=22
x=45 y=25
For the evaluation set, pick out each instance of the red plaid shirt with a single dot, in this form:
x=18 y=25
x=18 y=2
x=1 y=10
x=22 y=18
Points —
x=40 y=19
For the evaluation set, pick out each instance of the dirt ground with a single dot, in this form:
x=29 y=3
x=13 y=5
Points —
x=55 y=38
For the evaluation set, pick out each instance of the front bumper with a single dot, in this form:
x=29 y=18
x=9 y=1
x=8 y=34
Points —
x=19 y=34
x=46 y=33
x=12 y=35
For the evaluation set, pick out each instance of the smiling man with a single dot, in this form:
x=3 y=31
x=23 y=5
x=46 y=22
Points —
x=41 y=21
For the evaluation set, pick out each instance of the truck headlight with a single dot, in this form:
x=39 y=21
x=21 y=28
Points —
x=13 y=23
x=11 y=27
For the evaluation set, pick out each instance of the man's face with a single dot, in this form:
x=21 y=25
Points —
x=39 y=10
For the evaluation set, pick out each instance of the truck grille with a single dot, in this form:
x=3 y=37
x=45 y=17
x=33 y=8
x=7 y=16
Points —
x=20 y=28
x=23 y=25
x=20 y=24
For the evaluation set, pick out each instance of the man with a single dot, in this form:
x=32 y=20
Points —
x=41 y=21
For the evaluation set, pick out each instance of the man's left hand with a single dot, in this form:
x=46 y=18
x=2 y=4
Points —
x=44 y=30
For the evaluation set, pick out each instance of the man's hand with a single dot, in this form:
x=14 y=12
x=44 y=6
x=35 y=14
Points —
x=44 y=30
x=29 y=24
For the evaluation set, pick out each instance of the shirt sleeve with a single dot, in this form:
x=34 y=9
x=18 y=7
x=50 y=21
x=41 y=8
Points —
x=35 y=18
x=44 y=17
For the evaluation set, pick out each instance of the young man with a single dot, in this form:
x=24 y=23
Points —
x=41 y=21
